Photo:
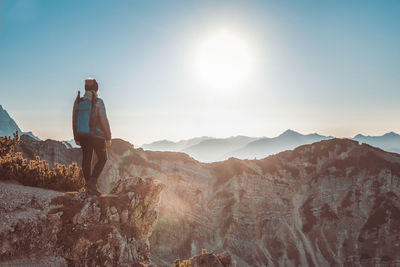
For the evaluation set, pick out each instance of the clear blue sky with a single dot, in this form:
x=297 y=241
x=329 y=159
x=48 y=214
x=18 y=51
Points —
x=331 y=67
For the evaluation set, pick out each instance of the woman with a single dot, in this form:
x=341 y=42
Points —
x=97 y=136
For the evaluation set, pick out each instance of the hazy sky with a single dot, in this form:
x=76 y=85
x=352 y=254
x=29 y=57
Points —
x=331 y=67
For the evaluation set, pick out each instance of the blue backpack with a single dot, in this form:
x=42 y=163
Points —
x=85 y=116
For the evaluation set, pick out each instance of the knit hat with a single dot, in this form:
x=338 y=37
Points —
x=91 y=84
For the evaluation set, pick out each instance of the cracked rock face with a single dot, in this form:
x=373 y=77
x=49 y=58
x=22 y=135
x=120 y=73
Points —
x=49 y=150
x=39 y=226
x=330 y=203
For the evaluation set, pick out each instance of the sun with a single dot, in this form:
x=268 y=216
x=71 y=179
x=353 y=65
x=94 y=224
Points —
x=223 y=61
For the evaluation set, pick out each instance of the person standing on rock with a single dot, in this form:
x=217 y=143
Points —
x=91 y=132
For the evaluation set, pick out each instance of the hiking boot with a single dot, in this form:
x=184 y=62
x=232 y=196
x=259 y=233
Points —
x=91 y=187
x=91 y=191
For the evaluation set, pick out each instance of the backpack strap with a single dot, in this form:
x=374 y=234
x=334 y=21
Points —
x=77 y=100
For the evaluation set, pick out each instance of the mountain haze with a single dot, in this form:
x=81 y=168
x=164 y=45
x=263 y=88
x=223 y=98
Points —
x=207 y=149
x=216 y=149
x=166 y=145
x=264 y=147
x=389 y=141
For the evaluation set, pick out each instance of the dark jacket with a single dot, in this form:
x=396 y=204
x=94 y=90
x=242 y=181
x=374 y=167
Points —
x=102 y=127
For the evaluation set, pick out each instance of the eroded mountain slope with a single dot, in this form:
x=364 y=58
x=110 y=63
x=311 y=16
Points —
x=334 y=202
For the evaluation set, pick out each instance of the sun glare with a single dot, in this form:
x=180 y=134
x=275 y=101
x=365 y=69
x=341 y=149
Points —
x=223 y=61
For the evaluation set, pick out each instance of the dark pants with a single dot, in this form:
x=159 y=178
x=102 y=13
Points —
x=99 y=147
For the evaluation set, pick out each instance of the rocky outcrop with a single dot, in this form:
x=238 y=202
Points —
x=40 y=227
x=50 y=150
x=212 y=260
x=207 y=259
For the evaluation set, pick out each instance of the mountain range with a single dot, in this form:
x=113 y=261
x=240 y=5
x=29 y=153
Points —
x=389 y=141
x=331 y=203
x=209 y=149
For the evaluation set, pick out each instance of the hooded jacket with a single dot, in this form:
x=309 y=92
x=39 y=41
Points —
x=102 y=127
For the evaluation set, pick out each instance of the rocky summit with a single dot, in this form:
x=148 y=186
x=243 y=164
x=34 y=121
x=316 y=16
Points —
x=41 y=227
x=331 y=203
x=7 y=125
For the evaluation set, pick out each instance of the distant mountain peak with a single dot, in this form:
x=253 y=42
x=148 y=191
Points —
x=164 y=141
x=8 y=126
x=290 y=132
x=391 y=134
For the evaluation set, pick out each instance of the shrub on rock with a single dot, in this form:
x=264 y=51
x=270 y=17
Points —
x=37 y=172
